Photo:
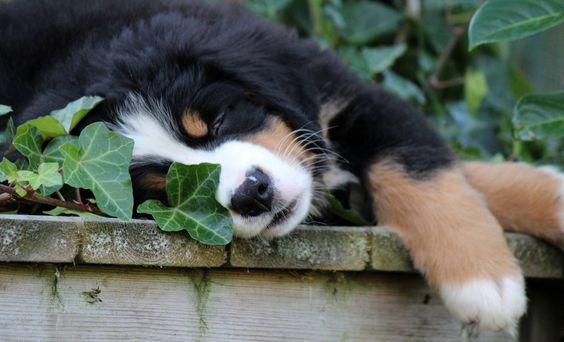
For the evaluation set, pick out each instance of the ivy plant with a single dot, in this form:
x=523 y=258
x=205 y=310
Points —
x=88 y=175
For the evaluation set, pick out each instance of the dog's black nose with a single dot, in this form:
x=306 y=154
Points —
x=254 y=196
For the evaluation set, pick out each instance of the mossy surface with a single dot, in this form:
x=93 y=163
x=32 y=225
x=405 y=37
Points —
x=201 y=285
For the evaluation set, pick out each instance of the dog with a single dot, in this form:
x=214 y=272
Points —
x=192 y=82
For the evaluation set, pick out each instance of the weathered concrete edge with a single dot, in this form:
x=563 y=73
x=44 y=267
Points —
x=46 y=239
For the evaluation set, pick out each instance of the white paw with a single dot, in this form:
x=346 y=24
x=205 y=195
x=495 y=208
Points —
x=489 y=304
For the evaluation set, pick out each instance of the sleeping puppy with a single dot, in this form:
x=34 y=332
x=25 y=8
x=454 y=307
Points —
x=191 y=83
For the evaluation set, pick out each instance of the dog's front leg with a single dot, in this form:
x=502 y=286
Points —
x=420 y=191
x=454 y=241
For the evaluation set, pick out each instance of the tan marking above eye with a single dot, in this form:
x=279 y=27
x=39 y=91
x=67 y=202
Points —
x=194 y=125
x=279 y=138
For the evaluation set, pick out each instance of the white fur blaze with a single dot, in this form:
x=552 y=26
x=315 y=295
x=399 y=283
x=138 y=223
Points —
x=490 y=304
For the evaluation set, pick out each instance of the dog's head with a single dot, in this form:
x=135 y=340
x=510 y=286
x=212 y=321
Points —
x=240 y=98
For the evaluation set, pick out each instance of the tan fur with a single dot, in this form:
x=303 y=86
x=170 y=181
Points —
x=444 y=222
x=154 y=181
x=194 y=125
x=280 y=139
x=522 y=198
x=328 y=112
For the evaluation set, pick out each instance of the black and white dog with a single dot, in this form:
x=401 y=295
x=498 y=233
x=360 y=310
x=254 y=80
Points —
x=192 y=82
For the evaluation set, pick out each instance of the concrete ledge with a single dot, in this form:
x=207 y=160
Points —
x=39 y=239
x=310 y=247
x=142 y=243
x=43 y=239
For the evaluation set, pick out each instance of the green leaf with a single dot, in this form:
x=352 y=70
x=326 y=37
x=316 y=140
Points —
x=191 y=194
x=355 y=60
x=433 y=5
x=61 y=121
x=267 y=8
x=437 y=30
x=75 y=111
x=29 y=141
x=539 y=116
x=499 y=94
x=366 y=20
x=20 y=191
x=100 y=162
x=47 y=179
x=8 y=171
x=5 y=109
x=475 y=88
x=52 y=153
x=7 y=136
x=350 y=215
x=47 y=125
x=402 y=87
x=507 y=20
x=57 y=211
x=381 y=58
x=518 y=83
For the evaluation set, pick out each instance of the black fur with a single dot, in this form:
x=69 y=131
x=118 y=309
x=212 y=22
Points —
x=219 y=60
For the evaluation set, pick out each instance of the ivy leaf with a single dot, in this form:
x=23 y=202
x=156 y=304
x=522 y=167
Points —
x=47 y=125
x=100 y=162
x=47 y=179
x=191 y=194
x=7 y=136
x=539 y=116
x=52 y=153
x=29 y=141
x=350 y=215
x=57 y=211
x=61 y=121
x=8 y=171
x=75 y=111
x=475 y=88
x=5 y=109
x=507 y=20
x=20 y=190
x=381 y=58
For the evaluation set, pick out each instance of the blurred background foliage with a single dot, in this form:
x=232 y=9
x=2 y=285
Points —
x=418 y=49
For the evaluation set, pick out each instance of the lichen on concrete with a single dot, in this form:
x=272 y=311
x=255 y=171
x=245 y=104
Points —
x=38 y=239
x=537 y=258
x=142 y=242
x=387 y=252
x=328 y=248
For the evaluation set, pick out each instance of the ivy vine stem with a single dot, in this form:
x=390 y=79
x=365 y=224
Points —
x=34 y=197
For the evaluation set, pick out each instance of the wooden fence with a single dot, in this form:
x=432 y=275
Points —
x=67 y=279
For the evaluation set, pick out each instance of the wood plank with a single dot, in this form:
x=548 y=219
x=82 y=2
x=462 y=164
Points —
x=218 y=305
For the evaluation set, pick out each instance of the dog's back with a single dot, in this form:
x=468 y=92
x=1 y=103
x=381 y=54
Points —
x=38 y=34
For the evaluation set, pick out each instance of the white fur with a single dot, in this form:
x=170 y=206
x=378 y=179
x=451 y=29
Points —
x=150 y=126
x=490 y=304
x=554 y=172
x=336 y=177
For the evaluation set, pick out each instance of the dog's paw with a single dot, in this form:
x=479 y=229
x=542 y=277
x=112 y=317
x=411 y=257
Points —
x=487 y=303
